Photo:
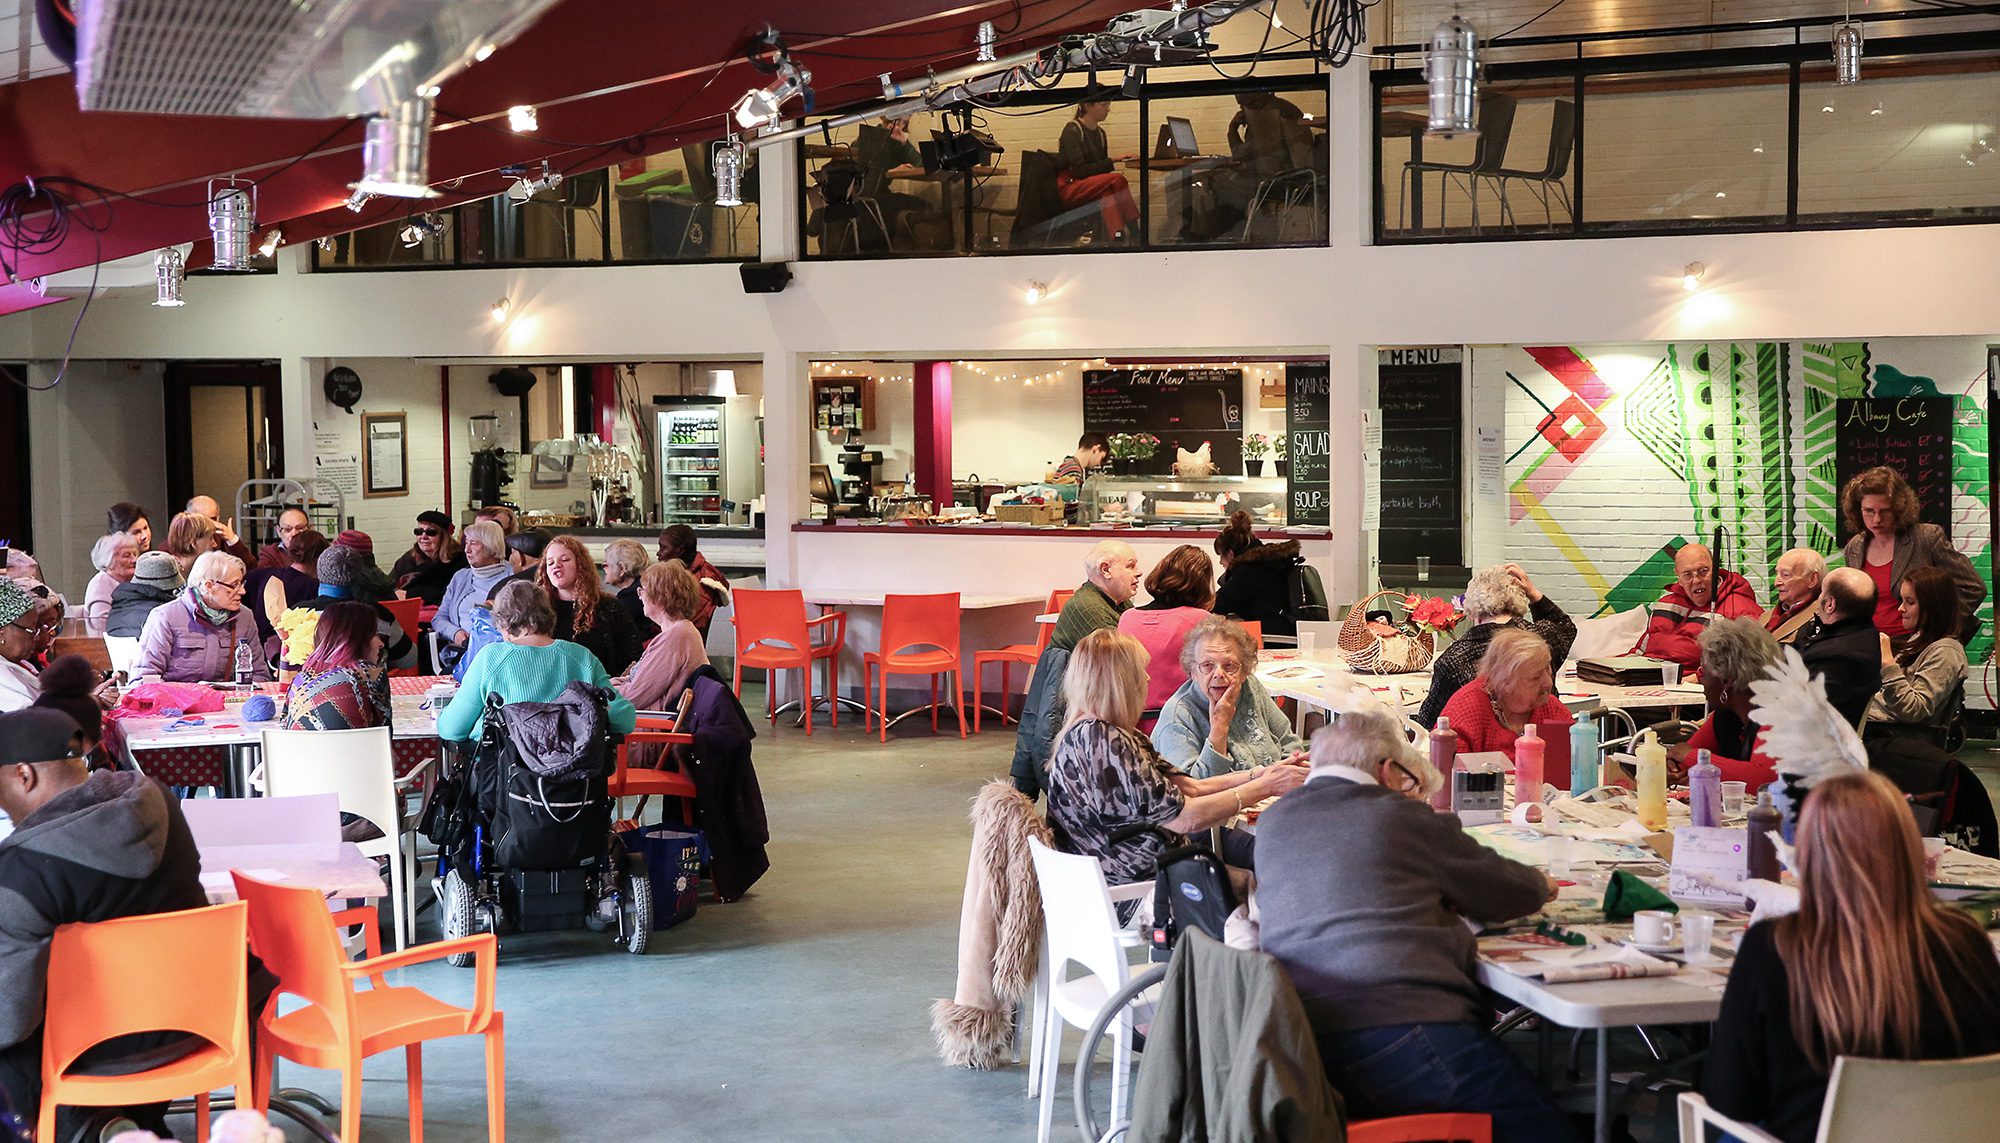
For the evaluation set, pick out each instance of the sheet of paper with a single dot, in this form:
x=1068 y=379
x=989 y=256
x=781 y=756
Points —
x=1709 y=863
x=1371 y=469
x=1489 y=463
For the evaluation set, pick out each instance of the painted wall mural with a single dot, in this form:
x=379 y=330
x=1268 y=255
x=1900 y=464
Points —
x=1620 y=454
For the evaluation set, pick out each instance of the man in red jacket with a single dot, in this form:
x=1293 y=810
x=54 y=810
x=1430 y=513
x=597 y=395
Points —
x=1697 y=596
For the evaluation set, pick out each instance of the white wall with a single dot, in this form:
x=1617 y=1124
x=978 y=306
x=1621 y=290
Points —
x=96 y=439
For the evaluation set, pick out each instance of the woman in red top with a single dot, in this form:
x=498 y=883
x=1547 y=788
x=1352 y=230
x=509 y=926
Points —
x=1890 y=542
x=1734 y=654
x=1515 y=686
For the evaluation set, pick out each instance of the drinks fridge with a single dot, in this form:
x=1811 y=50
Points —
x=691 y=459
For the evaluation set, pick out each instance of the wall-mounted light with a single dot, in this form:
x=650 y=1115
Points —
x=1691 y=276
x=170 y=274
x=1877 y=109
x=232 y=215
x=1451 y=71
x=521 y=119
x=396 y=151
x=273 y=238
x=1846 y=53
x=1036 y=292
x=500 y=309
x=728 y=168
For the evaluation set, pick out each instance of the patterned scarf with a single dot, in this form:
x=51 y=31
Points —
x=215 y=616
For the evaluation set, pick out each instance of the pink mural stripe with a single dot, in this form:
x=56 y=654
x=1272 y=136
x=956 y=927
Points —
x=1577 y=374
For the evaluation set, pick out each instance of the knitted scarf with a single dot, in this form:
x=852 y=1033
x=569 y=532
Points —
x=216 y=617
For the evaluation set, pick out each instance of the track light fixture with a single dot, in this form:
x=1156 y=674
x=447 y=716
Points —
x=1452 y=72
x=396 y=151
x=419 y=228
x=521 y=120
x=1691 y=276
x=760 y=107
x=1846 y=53
x=525 y=188
x=273 y=238
x=232 y=215
x=170 y=276
x=728 y=166
x=356 y=201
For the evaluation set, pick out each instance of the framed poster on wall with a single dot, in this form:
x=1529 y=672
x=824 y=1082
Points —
x=385 y=454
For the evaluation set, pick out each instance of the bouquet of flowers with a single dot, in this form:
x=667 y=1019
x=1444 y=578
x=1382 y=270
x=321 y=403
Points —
x=1438 y=615
x=298 y=626
x=1256 y=446
x=1133 y=446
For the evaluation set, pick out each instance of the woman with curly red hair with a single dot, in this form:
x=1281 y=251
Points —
x=585 y=613
x=1890 y=542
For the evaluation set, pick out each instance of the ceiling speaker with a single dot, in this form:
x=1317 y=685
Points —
x=765 y=277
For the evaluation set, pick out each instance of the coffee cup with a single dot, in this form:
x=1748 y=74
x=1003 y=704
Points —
x=1653 y=927
x=1934 y=848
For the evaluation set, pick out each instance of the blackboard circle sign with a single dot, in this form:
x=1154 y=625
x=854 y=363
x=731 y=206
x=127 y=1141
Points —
x=343 y=387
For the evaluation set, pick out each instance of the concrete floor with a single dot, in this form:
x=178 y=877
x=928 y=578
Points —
x=798 y=1013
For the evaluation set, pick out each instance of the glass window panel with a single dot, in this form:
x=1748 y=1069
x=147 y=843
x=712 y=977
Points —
x=1238 y=169
x=1901 y=145
x=1683 y=150
x=1517 y=174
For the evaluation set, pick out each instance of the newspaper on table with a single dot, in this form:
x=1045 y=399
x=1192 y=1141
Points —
x=1566 y=965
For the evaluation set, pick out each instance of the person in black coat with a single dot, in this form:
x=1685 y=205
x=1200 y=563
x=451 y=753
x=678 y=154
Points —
x=1845 y=650
x=426 y=569
x=1256 y=583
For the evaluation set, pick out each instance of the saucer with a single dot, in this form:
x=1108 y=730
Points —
x=1668 y=947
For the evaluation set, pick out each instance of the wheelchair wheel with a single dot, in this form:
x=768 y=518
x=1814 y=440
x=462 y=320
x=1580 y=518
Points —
x=456 y=914
x=1130 y=996
x=635 y=904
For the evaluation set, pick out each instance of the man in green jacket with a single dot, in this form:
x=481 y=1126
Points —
x=1111 y=574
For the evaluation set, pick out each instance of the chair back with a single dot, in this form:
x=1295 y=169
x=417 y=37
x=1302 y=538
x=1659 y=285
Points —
x=770 y=615
x=1038 y=200
x=409 y=615
x=915 y=621
x=222 y=822
x=1938 y=1101
x=123 y=651
x=1076 y=905
x=1047 y=631
x=355 y=765
x=292 y=932
x=1255 y=628
x=179 y=972
x=1562 y=140
x=1496 y=125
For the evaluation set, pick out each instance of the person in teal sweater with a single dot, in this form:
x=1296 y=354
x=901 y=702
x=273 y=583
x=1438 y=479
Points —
x=532 y=665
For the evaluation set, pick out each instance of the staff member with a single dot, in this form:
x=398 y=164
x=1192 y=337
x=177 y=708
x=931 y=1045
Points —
x=1890 y=542
x=1091 y=450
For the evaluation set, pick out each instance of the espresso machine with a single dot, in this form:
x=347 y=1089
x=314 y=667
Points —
x=489 y=460
x=858 y=463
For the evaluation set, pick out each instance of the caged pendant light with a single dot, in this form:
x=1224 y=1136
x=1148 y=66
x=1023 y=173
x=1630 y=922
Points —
x=1452 y=72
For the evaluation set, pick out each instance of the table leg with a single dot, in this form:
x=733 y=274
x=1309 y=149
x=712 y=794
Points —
x=1600 y=1131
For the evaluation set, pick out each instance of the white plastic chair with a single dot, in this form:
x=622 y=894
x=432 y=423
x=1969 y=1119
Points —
x=218 y=822
x=1081 y=930
x=1937 y=1101
x=123 y=651
x=357 y=766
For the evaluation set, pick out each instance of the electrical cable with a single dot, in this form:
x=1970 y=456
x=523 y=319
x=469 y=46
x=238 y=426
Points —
x=1526 y=22
x=44 y=232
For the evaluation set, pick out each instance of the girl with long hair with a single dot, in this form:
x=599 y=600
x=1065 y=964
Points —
x=1921 y=671
x=585 y=613
x=1870 y=966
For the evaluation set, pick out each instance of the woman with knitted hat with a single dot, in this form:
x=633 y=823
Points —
x=370 y=584
x=19 y=629
x=341 y=569
x=156 y=579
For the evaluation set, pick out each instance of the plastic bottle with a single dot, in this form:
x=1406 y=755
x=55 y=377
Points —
x=246 y=662
x=1444 y=759
x=1764 y=818
x=1582 y=757
x=1652 y=782
x=1705 y=791
x=1528 y=759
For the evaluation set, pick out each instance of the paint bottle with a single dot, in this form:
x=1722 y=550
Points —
x=1528 y=758
x=1444 y=758
x=1652 y=782
x=1582 y=757
x=1705 y=791
x=1764 y=819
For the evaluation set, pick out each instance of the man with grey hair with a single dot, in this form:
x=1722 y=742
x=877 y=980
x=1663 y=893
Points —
x=1111 y=579
x=1799 y=574
x=1496 y=598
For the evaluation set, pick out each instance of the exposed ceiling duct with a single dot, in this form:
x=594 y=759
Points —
x=266 y=59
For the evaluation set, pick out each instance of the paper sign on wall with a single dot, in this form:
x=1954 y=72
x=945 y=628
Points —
x=1371 y=469
x=1490 y=464
x=1709 y=864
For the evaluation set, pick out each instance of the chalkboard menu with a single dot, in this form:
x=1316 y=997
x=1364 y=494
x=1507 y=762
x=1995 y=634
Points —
x=1422 y=424
x=1182 y=407
x=1308 y=397
x=1909 y=434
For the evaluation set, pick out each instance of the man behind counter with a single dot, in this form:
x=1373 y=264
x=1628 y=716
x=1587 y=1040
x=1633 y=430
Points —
x=1091 y=450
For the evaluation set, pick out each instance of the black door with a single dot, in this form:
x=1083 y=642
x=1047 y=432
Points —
x=223 y=428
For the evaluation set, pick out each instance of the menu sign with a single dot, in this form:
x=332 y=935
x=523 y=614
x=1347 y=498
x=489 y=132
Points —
x=1422 y=402
x=1184 y=408
x=1308 y=401
x=1909 y=434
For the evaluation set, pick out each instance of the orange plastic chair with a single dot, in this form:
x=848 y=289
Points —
x=408 y=614
x=294 y=935
x=163 y=971
x=1025 y=653
x=915 y=621
x=773 y=634
x=1447 y=1127
x=1256 y=630
x=644 y=783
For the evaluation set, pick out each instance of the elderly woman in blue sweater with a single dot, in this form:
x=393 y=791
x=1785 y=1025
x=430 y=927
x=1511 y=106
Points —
x=486 y=568
x=1222 y=718
x=531 y=665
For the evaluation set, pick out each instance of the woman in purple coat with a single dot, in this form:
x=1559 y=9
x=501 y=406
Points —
x=194 y=638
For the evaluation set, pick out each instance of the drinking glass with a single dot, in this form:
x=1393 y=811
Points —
x=1734 y=794
x=1560 y=855
x=1697 y=930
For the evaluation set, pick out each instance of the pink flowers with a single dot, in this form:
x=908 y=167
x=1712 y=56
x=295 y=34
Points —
x=1432 y=614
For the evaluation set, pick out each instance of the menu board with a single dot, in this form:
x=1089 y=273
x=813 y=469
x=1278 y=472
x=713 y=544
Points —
x=1308 y=400
x=1185 y=408
x=1909 y=434
x=1422 y=402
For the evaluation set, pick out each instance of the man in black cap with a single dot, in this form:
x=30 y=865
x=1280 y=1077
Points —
x=426 y=569
x=85 y=847
x=524 y=555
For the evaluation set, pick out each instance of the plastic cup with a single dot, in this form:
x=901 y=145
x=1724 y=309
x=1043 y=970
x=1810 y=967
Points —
x=1307 y=641
x=1670 y=674
x=1697 y=930
x=1560 y=854
x=1733 y=796
x=1423 y=567
x=1934 y=848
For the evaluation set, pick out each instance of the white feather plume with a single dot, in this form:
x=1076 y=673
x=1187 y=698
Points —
x=1803 y=734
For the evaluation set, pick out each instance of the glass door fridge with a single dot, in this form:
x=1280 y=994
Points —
x=691 y=459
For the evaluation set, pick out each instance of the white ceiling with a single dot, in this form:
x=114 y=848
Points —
x=22 y=55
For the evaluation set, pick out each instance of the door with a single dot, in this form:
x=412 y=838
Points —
x=17 y=526
x=223 y=427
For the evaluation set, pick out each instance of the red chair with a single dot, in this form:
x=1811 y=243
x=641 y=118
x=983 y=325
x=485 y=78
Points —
x=626 y=782
x=1256 y=630
x=1443 y=1127
x=773 y=634
x=407 y=612
x=1025 y=653
x=910 y=622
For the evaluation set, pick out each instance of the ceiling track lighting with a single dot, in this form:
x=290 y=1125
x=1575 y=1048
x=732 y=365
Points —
x=170 y=277
x=522 y=120
x=985 y=40
x=1692 y=275
x=417 y=229
x=525 y=188
x=357 y=201
x=396 y=151
x=761 y=107
x=1846 y=53
x=232 y=216
x=728 y=168
x=273 y=238
x=1451 y=71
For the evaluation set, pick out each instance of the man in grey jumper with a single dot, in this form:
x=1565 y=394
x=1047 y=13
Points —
x=1364 y=893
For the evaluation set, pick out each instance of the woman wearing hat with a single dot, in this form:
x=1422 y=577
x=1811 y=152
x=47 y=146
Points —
x=20 y=613
x=369 y=584
x=341 y=569
x=426 y=569
x=194 y=638
x=156 y=579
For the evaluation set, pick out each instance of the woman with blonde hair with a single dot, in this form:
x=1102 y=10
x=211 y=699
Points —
x=585 y=615
x=1871 y=966
x=1104 y=775
x=189 y=537
x=1889 y=542
x=1515 y=686
x=671 y=595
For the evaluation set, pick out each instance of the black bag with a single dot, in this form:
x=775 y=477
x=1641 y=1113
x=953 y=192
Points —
x=541 y=779
x=1190 y=891
x=449 y=815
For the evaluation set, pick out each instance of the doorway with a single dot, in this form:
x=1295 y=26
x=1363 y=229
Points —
x=232 y=408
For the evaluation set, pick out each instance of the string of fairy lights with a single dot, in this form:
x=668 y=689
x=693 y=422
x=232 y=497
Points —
x=1031 y=373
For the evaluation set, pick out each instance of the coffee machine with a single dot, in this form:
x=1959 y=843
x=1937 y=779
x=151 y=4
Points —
x=858 y=462
x=489 y=460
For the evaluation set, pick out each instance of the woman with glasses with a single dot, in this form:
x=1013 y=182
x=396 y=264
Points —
x=1222 y=718
x=20 y=629
x=194 y=638
x=425 y=571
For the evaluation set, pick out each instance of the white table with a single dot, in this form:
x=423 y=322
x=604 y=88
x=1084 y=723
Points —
x=1579 y=696
x=967 y=601
x=333 y=869
x=413 y=721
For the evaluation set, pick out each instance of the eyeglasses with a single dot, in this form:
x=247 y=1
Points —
x=425 y=532
x=226 y=585
x=1218 y=666
x=1409 y=781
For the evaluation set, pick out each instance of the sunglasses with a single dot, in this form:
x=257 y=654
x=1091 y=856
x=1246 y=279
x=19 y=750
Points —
x=425 y=532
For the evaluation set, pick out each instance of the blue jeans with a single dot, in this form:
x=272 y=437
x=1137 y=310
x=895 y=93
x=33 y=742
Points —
x=1411 y=1069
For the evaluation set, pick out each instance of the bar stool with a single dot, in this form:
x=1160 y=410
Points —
x=773 y=634
x=910 y=622
x=1026 y=653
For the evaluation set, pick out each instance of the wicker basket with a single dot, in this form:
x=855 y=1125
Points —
x=1371 y=654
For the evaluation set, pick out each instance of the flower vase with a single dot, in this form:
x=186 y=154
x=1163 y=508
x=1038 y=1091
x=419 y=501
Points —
x=1253 y=466
x=1284 y=468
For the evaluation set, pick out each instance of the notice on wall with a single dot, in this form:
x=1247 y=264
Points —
x=336 y=461
x=1709 y=865
x=1184 y=408
x=1422 y=398
x=1909 y=434
x=1309 y=482
x=1371 y=469
x=1489 y=464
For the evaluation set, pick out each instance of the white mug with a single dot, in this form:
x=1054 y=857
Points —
x=1653 y=927
x=1307 y=640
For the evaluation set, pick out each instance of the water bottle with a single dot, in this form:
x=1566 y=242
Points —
x=1528 y=758
x=1444 y=759
x=1652 y=782
x=1582 y=757
x=1705 y=791
x=246 y=662
x=1764 y=819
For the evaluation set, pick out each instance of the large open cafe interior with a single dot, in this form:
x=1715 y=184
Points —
x=1409 y=571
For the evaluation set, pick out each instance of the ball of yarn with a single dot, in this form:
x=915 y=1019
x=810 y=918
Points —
x=260 y=708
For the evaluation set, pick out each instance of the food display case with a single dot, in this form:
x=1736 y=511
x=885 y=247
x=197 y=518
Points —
x=1165 y=501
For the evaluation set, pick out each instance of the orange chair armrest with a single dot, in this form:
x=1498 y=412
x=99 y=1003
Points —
x=839 y=621
x=371 y=928
x=484 y=947
x=660 y=736
x=657 y=720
